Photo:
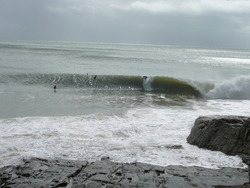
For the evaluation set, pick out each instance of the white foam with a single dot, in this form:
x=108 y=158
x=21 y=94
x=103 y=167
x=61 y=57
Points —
x=144 y=135
x=236 y=88
x=147 y=81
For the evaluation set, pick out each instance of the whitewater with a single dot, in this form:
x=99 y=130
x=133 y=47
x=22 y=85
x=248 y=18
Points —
x=131 y=103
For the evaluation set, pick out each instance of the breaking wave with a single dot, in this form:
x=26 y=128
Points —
x=236 y=88
x=151 y=84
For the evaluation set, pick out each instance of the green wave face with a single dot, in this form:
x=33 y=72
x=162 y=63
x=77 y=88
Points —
x=174 y=86
x=118 y=81
x=152 y=84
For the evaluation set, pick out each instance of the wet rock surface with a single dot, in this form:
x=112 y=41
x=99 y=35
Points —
x=37 y=172
x=228 y=134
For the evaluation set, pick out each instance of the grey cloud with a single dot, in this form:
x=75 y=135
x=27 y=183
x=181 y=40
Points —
x=121 y=21
x=185 y=6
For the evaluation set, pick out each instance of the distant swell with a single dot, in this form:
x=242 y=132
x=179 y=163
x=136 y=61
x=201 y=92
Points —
x=236 y=88
x=151 y=84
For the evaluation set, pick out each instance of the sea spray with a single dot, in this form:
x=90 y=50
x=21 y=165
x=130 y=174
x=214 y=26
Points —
x=236 y=88
x=154 y=136
x=147 y=83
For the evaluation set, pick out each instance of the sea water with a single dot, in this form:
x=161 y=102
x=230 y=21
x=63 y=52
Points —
x=126 y=102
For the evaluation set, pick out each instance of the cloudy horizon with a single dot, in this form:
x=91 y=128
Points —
x=206 y=23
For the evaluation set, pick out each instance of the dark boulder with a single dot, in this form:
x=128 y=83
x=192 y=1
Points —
x=228 y=134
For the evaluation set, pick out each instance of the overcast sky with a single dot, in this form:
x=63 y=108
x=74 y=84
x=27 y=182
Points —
x=207 y=23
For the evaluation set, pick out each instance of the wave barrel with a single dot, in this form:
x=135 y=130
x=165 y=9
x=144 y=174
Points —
x=174 y=86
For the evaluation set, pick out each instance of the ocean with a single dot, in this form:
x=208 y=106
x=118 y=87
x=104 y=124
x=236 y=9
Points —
x=131 y=103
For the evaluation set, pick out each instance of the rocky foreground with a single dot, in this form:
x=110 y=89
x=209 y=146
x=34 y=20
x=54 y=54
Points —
x=37 y=172
x=230 y=135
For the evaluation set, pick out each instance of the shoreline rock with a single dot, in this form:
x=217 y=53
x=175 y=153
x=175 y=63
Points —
x=36 y=172
x=228 y=134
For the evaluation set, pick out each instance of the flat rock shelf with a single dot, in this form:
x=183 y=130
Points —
x=36 y=172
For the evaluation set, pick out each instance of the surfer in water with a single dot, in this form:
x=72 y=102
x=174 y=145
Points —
x=54 y=88
x=146 y=83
